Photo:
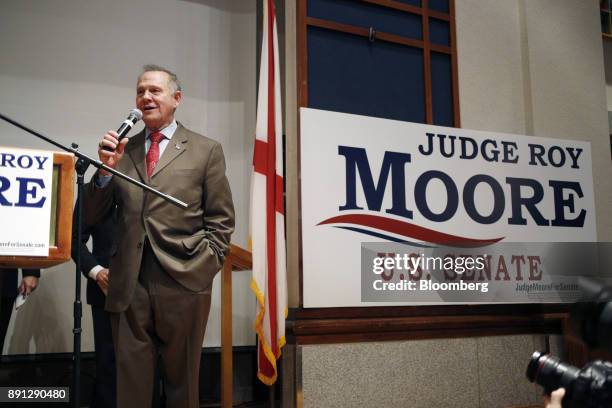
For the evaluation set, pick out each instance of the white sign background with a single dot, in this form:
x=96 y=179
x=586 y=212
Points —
x=331 y=256
x=24 y=230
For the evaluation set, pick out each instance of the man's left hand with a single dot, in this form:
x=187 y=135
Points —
x=28 y=284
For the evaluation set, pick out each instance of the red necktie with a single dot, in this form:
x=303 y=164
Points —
x=153 y=153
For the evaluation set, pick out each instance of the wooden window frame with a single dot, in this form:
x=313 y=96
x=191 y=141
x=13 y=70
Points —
x=303 y=22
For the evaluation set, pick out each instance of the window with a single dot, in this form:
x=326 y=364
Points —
x=605 y=11
x=393 y=59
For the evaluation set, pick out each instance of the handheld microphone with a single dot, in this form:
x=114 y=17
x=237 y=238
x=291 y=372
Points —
x=134 y=116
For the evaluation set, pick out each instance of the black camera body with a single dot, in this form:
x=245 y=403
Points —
x=588 y=387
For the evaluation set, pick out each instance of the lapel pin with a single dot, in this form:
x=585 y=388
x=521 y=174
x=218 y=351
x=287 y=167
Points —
x=177 y=146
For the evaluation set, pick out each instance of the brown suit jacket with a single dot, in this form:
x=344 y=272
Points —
x=189 y=243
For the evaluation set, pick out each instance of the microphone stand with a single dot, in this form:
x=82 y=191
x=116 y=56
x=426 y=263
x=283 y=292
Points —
x=82 y=164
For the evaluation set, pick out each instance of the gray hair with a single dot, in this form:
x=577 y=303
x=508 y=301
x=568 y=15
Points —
x=173 y=79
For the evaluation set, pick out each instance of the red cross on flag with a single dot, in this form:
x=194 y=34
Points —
x=267 y=208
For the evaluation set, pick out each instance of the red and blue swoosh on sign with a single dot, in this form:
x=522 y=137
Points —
x=382 y=227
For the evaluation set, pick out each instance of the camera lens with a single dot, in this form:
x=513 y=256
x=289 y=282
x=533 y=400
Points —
x=533 y=366
x=589 y=387
x=550 y=372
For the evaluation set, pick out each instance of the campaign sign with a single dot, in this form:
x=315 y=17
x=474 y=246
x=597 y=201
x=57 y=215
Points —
x=367 y=179
x=25 y=201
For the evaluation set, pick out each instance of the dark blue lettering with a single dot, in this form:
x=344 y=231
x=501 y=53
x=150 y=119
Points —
x=28 y=161
x=536 y=151
x=24 y=192
x=509 y=152
x=470 y=203
x=574 y=154
x=5 y=184
x=430 y=137
x=464 y=148
x=443 y=151
x=551 y=157
x=561 y=203
x=494 y=152
x=518 y=201
x=420 y=194
x=40 y=160
x=7 y=159
x=393 y=162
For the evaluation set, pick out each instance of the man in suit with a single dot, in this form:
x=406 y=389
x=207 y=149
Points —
x=94 y=266
x=9 y=291
x=165 y=257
